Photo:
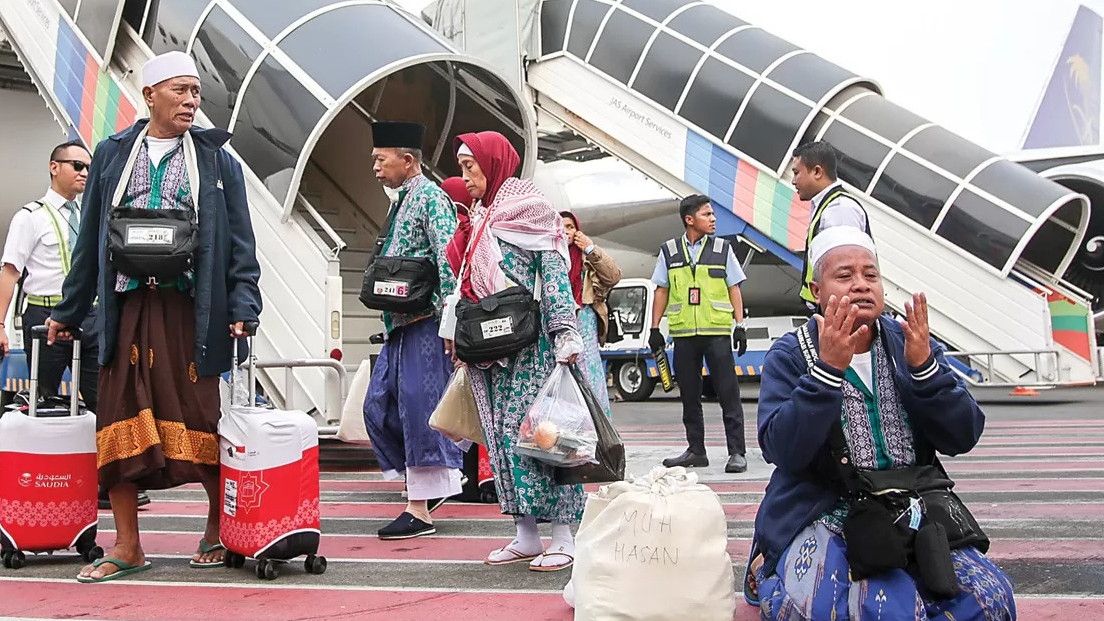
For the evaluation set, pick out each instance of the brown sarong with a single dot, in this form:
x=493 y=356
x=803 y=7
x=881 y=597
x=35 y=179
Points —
x=157 y=425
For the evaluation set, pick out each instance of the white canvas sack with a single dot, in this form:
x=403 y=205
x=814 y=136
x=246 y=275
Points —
x=653 y=549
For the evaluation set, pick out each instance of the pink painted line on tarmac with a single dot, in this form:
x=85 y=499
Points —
x=1011 y=465
x=126 y=600
x=737 y=511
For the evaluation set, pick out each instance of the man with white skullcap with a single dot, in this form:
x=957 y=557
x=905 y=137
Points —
x=853 y=408
x=167 y=247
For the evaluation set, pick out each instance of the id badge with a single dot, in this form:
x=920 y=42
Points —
x=695 y=296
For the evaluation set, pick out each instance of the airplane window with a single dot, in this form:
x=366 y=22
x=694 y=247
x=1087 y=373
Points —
x=983 y=229
x=913 y=190
x=768 y=126
x=276 y=116
x=1019 y=186
x=715 y=96
x=658 y=10
x=704 y=23
x=175 y=20
x=584 y=26
x=272 y=17
x=553 y=21
x=365 y=37
x=956 y=155
x=96 y=19
x=809 y=75
x=755 y=49
x=223 y=53
x=859 y=155
x=620 y=45
x=665 y=70
x=882 y=117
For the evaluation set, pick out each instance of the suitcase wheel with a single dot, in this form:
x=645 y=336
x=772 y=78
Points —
x=266 y=569
x=233 y=560
x=14 y=559
x=315 y=564
x=92 y=554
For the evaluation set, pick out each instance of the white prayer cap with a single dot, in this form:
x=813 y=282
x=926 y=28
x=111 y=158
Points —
x=464 y=150
x=166 y=66
x=836 y=237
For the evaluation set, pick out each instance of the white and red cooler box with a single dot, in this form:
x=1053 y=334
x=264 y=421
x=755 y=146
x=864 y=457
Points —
x=48 y=483
x=269 y=481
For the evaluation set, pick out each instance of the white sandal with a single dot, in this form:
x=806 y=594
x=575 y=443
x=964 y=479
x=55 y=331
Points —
x=548 y=568
x=515 y=556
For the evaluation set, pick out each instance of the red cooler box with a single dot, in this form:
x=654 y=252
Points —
x=269 y=485
x=48 y=479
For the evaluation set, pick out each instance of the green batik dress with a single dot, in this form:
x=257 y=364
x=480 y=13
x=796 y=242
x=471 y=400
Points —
x=503 y=395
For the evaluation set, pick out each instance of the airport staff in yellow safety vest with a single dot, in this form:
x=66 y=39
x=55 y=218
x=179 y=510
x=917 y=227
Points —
x=697 y=282
x=814 y=177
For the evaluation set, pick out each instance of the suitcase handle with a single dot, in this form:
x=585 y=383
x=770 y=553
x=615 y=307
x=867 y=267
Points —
x=250 y=329
x=38 y=335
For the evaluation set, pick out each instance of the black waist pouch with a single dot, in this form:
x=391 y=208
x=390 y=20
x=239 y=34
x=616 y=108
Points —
x=497 y=326
x=152 y=243
x=399 y=284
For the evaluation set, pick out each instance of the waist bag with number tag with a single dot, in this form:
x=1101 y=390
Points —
x=497 y=326
x=397 y=284
x=152 y=243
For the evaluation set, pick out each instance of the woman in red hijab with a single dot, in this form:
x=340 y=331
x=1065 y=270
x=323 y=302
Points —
x=513 y=237
x=593 y=273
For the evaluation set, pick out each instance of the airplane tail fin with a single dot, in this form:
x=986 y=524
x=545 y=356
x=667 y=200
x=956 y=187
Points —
x=1069 y=113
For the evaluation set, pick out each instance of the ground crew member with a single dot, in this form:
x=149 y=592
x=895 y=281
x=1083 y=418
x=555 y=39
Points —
x=814 y=176
x=698 y=286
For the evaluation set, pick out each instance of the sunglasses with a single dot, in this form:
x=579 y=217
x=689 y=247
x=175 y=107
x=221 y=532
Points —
x=77 y=165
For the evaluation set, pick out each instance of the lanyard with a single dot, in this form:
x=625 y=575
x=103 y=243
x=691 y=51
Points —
x=694 y=260
x=63 y=242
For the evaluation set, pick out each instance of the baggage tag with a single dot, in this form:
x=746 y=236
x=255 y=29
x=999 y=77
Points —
x=695 y=296
x=496 y=327
x=392 y=288
x=150 y=235
x=915 y=511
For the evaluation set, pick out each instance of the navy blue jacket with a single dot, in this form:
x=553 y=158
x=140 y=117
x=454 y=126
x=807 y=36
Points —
x=226 y=268
x=798 y=406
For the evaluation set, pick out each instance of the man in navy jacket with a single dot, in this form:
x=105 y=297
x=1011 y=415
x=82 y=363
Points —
x=163 y=343
x=888 y=383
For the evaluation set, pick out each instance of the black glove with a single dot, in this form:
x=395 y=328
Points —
x=656 y=340
x=739 y=340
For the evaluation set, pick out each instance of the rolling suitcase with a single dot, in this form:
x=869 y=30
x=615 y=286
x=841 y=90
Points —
x=269 y=482
x=48 y=479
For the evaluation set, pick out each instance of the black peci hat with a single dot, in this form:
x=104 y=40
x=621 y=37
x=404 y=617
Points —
x=390 y=134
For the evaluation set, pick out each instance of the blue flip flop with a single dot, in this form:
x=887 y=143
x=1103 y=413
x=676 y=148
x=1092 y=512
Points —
x=205 y=548
x=125 y=569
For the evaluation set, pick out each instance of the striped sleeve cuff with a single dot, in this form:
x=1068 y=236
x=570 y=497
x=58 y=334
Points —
x=925 y=371
x=827 y=374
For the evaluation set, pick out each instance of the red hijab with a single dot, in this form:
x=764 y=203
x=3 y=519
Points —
x=575 y=273
x=499 y=161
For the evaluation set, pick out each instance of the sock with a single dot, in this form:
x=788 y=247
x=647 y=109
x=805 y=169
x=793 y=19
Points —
x=528 y=536
x=562 y=541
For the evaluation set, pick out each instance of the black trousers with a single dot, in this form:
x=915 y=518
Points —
x=717 y=352
x=56 y=358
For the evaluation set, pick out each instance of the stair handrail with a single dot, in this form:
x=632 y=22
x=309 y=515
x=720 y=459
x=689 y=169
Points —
x=338 y=244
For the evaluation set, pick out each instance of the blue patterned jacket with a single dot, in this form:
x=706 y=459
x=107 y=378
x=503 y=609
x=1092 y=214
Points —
x=798 y=406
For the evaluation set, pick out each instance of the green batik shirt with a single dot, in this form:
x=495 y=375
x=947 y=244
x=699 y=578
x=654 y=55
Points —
x=423 y=226
x=164 y=186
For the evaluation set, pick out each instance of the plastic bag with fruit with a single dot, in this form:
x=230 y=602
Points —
x=558 y=428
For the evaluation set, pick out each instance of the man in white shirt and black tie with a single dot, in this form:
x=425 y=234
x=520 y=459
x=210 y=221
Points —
x=39 y=250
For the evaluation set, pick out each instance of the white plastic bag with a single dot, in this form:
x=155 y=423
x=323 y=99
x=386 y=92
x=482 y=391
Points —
x=558 y=429
x=352 y=429
x=653 y=549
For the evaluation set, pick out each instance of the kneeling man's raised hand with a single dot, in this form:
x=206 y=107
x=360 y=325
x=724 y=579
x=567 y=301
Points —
x=837 y=333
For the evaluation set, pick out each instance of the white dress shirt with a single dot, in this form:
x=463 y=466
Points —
x=843 y=211
x=33 y=244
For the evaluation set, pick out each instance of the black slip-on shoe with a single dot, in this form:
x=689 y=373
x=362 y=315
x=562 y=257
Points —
x=688 y=459
x=406 y=526
x=736 y=464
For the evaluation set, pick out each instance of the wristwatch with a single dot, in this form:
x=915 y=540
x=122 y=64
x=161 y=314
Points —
x=739 y=324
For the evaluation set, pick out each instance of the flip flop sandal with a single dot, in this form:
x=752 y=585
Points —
x=125 y=569
x=205 y=548
x=549 y=568
x=515 y=557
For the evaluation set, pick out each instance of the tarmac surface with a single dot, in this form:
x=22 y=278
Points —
x=1035 y=482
